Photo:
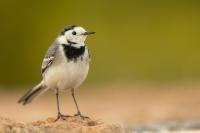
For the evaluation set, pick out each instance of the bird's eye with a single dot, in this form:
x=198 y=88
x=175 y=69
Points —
x=74 y=33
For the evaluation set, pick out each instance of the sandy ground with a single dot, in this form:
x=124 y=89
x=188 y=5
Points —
x=72 y=124
x=130 y=104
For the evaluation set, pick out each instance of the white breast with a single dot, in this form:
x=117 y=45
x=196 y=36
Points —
x=65 y=74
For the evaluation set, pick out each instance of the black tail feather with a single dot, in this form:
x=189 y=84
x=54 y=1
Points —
x=31 y=94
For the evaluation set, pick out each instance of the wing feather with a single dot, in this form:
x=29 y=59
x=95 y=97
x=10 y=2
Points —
x=49 y=57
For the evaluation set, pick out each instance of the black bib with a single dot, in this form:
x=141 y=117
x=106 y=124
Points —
x=72 y=53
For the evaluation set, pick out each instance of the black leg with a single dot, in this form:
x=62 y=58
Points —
x=78 y=111
x=59 y=115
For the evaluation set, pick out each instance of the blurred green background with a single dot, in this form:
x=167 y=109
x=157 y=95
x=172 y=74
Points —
x=136 y=40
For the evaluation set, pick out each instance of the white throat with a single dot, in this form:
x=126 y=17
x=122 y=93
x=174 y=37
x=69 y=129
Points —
x=63 y=40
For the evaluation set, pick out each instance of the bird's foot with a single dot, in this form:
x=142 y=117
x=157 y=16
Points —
x=80 y=115
x=61 y=117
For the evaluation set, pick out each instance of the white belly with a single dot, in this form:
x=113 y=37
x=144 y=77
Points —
x=67 y=75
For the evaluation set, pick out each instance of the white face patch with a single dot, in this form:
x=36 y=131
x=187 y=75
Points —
x=76 y=35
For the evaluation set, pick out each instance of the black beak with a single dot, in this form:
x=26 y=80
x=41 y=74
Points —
x=88 y=33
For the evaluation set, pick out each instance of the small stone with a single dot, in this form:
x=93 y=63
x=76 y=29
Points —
x=50 y=120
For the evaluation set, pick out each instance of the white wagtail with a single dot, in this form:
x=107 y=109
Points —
x=65 y=66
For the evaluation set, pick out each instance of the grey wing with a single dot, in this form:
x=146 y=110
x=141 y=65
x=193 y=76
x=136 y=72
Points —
x=49 y=57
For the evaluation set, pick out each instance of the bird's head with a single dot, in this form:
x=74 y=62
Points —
x=74 y=35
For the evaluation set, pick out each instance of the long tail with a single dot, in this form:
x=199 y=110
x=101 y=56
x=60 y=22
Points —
x=33 y=93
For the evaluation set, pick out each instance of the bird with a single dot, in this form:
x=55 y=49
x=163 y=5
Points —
x=64 y=67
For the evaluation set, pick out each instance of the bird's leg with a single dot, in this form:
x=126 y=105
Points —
x=59 y=115
x=78 y=111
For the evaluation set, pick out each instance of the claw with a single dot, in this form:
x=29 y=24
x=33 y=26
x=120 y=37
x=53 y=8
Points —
x=80 y=115
x=61 y=117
